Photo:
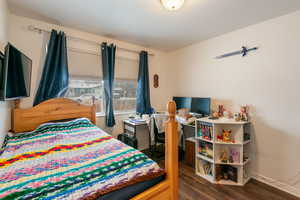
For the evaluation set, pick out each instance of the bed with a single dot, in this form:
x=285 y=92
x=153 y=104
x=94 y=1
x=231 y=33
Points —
x=47 y=159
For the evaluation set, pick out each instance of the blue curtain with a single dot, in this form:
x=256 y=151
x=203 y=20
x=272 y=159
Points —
x=55 y=77
x=108 y=70
x=143 y=105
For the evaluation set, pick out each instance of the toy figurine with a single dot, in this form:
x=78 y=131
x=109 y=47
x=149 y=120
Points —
x=226 y=177
x=230 y=115
x=221 y=110
x=215 y=115
x=220 y=138
x=226 y=135
x=224 y=156
x=234 y=156
x=244 y=113
x=231 y=159
x=237 y=117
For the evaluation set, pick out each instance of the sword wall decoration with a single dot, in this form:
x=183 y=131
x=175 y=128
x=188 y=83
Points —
x=244 y=52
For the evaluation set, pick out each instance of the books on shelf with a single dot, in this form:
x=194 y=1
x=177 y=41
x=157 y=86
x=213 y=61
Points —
x=205 y=131
x=205 y=149
x=205 y=168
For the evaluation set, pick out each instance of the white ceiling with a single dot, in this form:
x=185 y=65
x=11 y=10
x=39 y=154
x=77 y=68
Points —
x=146 y=23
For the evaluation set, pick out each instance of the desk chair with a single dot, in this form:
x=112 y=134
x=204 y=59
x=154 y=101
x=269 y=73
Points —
x=158 y=136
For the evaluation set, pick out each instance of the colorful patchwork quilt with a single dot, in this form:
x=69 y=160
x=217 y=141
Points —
x=70 y=160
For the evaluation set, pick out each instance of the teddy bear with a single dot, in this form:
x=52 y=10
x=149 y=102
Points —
x=226 y=135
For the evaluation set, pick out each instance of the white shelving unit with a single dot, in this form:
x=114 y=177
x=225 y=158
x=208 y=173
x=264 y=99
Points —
x=236 y=171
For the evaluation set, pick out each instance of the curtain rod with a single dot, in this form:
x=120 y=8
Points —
x=39 y=30
x=77 y=50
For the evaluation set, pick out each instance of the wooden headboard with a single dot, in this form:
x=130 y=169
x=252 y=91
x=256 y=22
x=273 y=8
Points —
x=24 y=120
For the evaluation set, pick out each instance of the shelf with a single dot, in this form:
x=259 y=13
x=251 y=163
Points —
x=238 y=133
x=228 y=143
x=210 y=178
x=222 y=121
x=227 y=182
x=201 y=138
x=239 y=164
x=224 y=143
x=205 y=158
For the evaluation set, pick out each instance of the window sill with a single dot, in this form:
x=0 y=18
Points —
x=100 y=114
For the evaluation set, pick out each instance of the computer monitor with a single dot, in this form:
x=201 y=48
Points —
x=201 y=106
x=183 y=102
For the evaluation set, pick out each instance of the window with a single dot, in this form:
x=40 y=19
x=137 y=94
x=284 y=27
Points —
x=124 y=95
x=86 y=81
x=83 y=90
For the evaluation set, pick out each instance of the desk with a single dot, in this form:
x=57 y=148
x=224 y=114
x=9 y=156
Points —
x=131 y=128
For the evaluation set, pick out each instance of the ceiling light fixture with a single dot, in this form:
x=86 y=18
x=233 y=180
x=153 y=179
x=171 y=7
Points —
x=172 y=4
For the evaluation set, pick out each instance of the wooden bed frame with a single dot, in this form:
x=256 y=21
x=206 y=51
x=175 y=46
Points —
x=24 y=120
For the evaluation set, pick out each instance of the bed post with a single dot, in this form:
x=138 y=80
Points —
x=167 y=189
x=171 y=162
x=93 y=117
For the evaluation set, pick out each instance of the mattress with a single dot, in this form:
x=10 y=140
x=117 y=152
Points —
x=132 y=190
x=70 y=160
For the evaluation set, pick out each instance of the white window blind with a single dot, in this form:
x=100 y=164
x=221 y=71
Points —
x=126 y=68
x=84 y=64
x=86 y=81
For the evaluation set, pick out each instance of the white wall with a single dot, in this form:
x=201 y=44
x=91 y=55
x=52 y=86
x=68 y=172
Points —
x=4 y=106
x=33 y=45
x=267 y=80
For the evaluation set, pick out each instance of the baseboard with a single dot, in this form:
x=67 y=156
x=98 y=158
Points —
x=277 y=184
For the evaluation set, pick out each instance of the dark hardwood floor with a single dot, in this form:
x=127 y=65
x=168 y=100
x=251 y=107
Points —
x=193 y=187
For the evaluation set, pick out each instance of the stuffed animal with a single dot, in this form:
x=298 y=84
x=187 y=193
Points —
x=226 y=135
x=215 y=115
x=244 y=113
x=221 y=110
x=224 y=156
x=235 y=156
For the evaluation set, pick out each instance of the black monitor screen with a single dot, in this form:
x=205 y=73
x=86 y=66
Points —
x=201 y=106
x=183 y=102
x=2 y=77
x=18 y=73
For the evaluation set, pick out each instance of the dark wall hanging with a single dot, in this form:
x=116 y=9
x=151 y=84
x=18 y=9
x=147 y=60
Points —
x=244 y=52
x=155 y=81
